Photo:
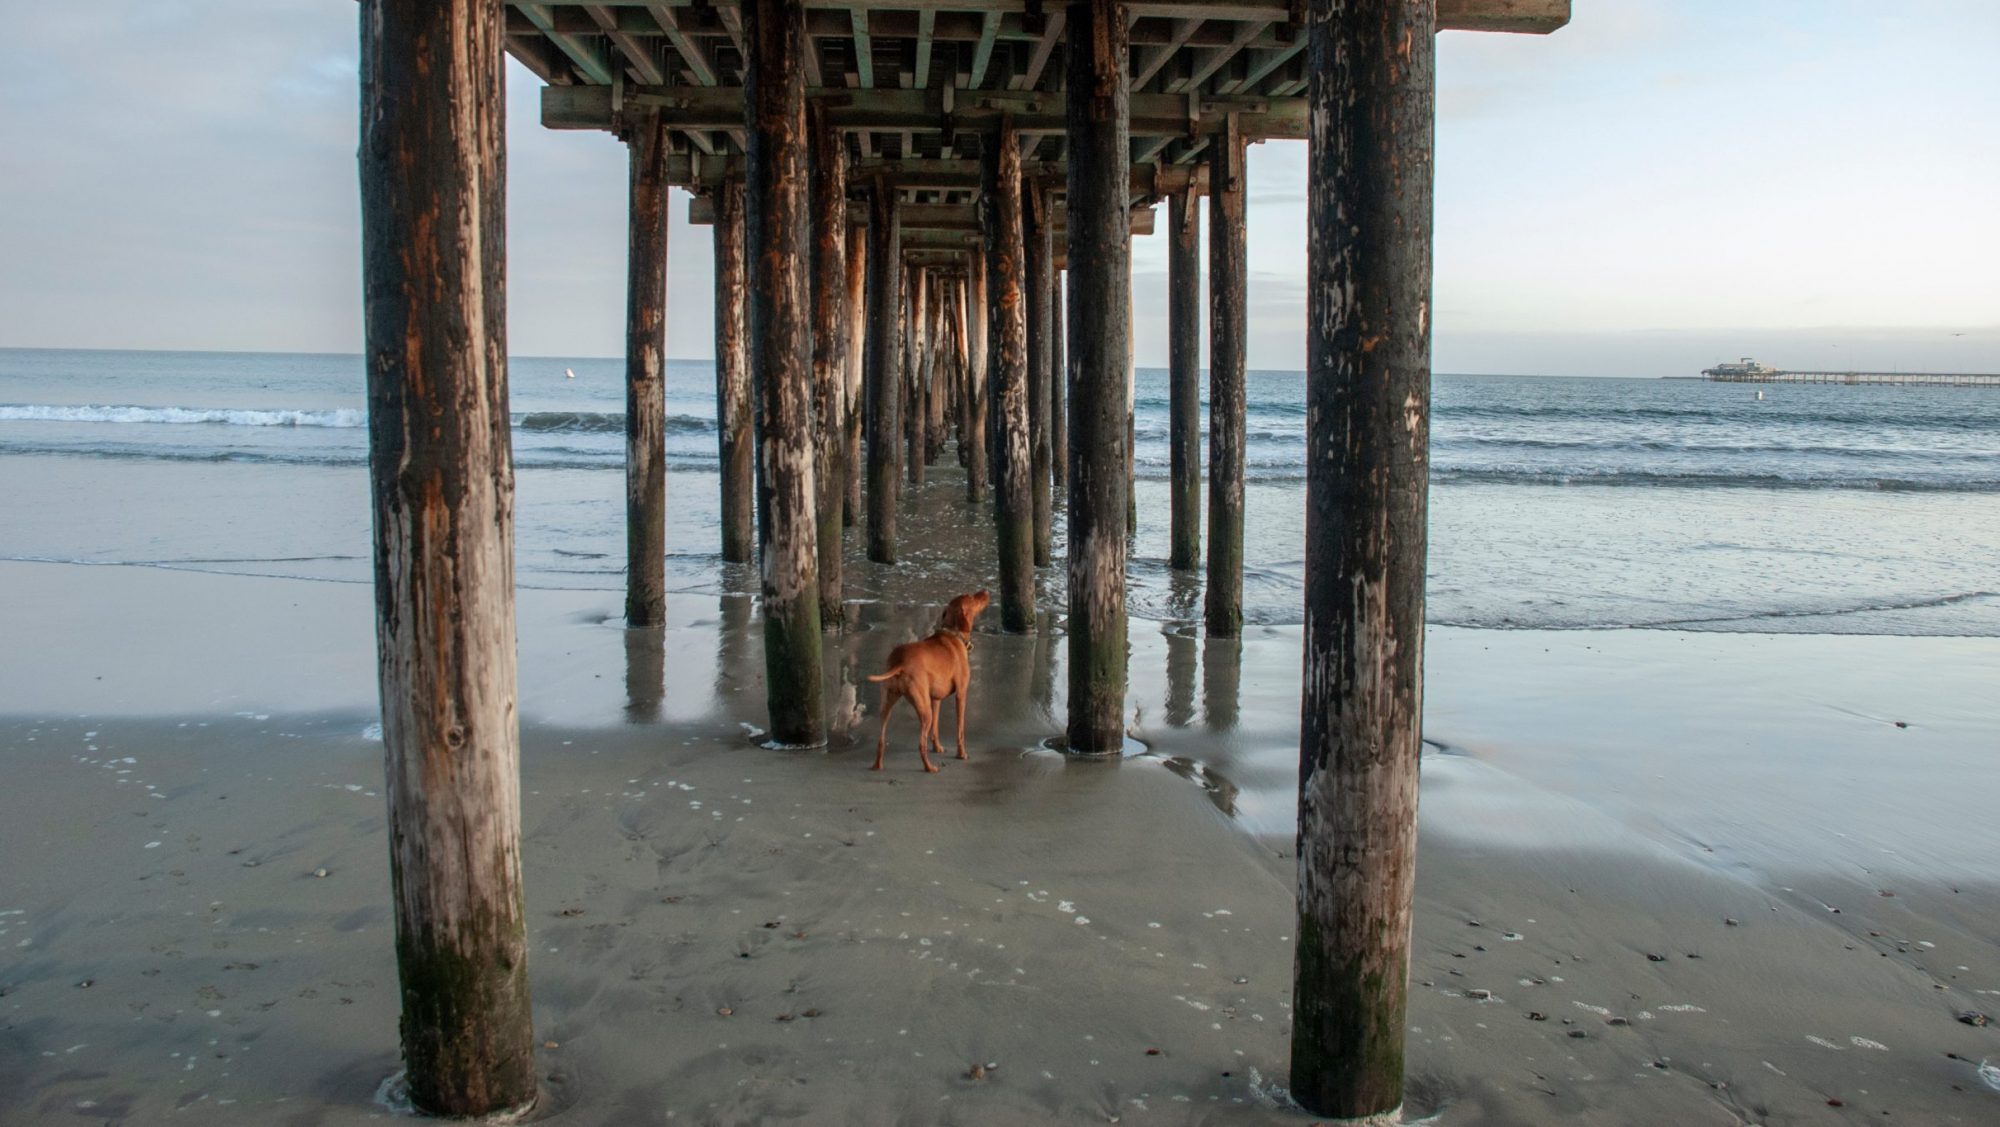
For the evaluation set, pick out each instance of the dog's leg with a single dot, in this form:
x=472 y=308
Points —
x=958 y=691
x=926 y=718
x=889 y=698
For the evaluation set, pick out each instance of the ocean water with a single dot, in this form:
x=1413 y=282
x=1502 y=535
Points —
x=1556 y=503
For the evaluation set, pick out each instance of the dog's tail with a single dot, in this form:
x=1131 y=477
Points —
x=896 y=672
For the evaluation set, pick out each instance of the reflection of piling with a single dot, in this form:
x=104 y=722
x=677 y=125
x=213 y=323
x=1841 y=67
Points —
x=1227 y=324
x=781 y=357
x=1099 y=257
x=1180 y=678
x=883 y=417
x=1221 y=682
x=735 y=449
x=1184 y=379
x=829 y=357
x=645 y=673
x=433 y=219
x=1013 y=511
x=1368 y=403
x=645 y=376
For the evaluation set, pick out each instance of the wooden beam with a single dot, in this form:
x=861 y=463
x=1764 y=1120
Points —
x=1154 y=58
x=929 y=217
x=864 y=48
x=982 y=55
x=692 y=56
x=586 y=59
x=441 y=483
x=1217 y=58
x=637 y=55
x=926 y=27
x=1262 y=68
x=1152 y=115
x=1031 y=77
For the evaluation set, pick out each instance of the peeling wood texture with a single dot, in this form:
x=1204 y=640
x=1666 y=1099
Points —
x=645 y=377
x=1369 y=205
x=829 y=349
x=1099 y=257
x=1013 y=507
x=1228 y=263
x=882 y=418
x=977 y=357
x=938 y=386
x=733 y=437
x=1039 y=229
x=857 y=334
x=781 y=359
x=433 y=216
x=1184 y=380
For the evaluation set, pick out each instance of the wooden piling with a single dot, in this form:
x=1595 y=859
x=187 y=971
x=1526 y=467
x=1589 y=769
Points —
x=918 y=376
x=781 y=356
x=1184 y=380
x=1039 y=231
x=735 y=448
x=645 y=376
x=1013 y=509
x=829 y=351
x=977 y=355
x=884 y=355
x=433 y=216
x=1369 y=203
x=938 y=384
x=857 y=368
x=1058 y=377
x=1099 y=255
x=1228 y=262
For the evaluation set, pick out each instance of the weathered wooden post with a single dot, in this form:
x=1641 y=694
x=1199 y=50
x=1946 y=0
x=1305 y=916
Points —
x=919 y=374
x=1184 y=379
x=977 y=324
x=938 y=383
x=645 y=376
x=1371 y=113
x=857 y=333
x=774 y=94
x=829 y=352
x=1058 y=377
x=1228 y=262
x=884 y=354
x=1013 y=509
x=735 y=448
x=433 y=220
x=1099 y=257
x=1039 y=229
x=1131 y=422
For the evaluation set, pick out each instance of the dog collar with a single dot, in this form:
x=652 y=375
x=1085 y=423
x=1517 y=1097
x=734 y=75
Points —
x=960 y=635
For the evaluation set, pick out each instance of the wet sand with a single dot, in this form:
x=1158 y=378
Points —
x=1664 y=878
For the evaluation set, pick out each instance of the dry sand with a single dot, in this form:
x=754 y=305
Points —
x=1665 y=878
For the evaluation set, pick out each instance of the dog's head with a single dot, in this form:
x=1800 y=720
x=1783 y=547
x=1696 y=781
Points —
x=960 y=613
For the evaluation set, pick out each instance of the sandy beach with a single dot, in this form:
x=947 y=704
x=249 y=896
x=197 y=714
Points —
x=1664 y=878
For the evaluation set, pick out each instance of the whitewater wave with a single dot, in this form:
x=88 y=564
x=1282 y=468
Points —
x=340 y=418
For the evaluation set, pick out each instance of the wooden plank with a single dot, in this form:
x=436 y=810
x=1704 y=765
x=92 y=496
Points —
x=1156 y=57
x=883 y=418
x=829 y=357
x=1099 y=255
x=1228 y=327
x=1526 y=16
x=1368 y=278
x=1038 y=60
x=1184 y=380
x=736 y=447
x=693 y=58
x=982 y=55
x=926 y=27
x=441 y=482
x=1007 y=397
x=1262 y=67
x=645 y=377
x=1217 y=58
x=864 y=48
x=588 y=62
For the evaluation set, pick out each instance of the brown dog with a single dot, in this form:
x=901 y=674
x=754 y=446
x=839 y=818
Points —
x=928 y=671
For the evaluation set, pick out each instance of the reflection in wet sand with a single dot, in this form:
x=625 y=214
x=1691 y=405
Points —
x=645 y=673
x=1221 y=682
x=1180 y=676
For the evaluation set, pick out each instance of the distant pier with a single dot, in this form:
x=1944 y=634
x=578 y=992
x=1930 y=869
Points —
x=1728 y=374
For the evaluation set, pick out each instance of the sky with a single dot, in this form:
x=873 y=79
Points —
x=1661 y=185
